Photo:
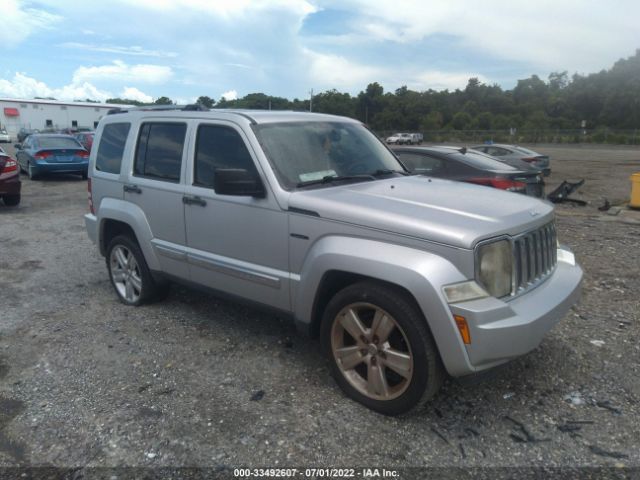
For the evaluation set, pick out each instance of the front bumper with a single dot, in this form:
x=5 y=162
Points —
x=503 y=330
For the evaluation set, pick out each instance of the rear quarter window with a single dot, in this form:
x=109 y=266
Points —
x=111 y=148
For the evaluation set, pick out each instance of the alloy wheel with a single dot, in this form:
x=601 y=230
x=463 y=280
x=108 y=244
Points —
x=125 y=273
x=371 y=351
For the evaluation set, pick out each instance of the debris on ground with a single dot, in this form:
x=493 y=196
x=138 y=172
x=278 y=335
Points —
x=561 y=194
x=259 y=395
x=574 y=398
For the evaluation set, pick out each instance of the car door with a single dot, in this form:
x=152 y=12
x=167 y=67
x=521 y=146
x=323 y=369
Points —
x=22 y=155
x=154 y=185
x=237 y=244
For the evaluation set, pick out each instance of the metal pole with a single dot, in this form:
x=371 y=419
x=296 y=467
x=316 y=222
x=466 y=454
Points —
x=311 y=100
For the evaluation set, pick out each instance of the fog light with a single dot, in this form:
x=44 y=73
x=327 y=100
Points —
x=463 y=328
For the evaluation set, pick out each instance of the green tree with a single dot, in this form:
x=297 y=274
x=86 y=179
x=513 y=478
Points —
x=205 y=101
x=163 y=101
x=461 y=121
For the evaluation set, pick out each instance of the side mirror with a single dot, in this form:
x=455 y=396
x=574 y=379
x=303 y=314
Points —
x=18 y=146
x=238 y=182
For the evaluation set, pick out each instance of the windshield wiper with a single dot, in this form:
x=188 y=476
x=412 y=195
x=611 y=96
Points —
x=386 y=171
x=334 y=178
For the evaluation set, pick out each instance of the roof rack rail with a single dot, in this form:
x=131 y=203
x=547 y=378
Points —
x=194 y=107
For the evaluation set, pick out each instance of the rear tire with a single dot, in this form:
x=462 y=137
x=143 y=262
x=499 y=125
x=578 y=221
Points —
x=130 y=275
x=380 y=349
x=31 y=173
x=11 y=200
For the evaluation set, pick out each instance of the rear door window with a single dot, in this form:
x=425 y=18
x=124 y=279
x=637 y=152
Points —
x=159 y=151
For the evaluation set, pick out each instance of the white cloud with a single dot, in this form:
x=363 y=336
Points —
x=230 y=95
x=23 y=86
x=135 y=50
x=328 y=71
x=225 y=8
x=120 y=71
x=132 y=93
x=549 y=34
x=18 y=22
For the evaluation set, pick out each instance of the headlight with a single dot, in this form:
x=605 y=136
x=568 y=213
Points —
x=495 y=266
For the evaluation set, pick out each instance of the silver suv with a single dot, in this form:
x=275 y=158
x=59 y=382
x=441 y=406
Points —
x=402 y=277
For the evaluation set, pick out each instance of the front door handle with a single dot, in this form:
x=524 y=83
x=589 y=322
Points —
x=132 y=189
x=189 y=200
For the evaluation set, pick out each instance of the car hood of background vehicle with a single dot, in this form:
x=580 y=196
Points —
x=443 y=211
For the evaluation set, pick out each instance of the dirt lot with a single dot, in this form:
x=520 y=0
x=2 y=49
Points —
x=196 y=381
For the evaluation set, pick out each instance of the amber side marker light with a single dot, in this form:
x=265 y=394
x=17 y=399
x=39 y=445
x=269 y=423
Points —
x=463 y=328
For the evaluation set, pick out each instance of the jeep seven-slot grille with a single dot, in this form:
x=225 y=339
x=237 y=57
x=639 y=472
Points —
x=535 y=256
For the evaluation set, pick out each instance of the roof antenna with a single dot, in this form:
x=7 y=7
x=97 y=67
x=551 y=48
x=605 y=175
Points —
x=463 y=150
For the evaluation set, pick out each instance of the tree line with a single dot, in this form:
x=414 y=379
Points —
x=607 y=99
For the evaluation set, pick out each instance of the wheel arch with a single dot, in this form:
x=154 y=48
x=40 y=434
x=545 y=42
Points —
x=116 y=217
x=336 y=262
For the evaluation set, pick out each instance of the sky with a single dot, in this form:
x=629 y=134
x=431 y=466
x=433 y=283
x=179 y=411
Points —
x=182 y=49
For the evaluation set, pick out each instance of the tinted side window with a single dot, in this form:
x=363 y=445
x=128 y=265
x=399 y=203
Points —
x=111 y=148
x=159 y=151
x=419 y=163
x=218 y=147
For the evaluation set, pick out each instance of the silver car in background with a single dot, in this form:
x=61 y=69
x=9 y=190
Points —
x=514 y=155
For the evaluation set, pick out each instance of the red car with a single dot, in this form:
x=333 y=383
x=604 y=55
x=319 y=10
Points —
x=9 y=180
x=85 y=139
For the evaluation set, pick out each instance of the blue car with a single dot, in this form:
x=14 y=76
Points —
x=41 y=154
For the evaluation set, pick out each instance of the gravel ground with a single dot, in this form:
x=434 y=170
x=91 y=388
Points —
x=196 y=381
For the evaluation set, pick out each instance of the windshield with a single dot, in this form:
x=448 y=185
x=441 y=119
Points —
x=58 y=142
x=302 y=152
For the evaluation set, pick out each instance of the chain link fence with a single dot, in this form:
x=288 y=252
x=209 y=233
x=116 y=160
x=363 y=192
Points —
x=604 y=136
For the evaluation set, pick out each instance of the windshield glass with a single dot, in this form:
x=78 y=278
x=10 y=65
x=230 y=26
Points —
x=58 y=142
x=306 y=151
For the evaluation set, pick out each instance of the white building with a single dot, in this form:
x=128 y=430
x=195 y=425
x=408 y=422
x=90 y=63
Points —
x=50 y=114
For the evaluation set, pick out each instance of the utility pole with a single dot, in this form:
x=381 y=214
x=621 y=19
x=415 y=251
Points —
x=311 y=100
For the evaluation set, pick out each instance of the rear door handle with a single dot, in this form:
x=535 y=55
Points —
x=189 y=200
x=132 y=189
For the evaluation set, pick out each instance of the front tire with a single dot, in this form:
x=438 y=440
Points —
x=130 y=275
x=380 y=349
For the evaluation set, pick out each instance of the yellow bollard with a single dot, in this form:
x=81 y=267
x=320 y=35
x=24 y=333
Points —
x=635 y=191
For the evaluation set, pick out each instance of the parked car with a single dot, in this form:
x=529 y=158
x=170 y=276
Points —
x=465 y=165
x=4 y=136
x=85 y=139
x=513 y=154
x=404 y=139
x=25 y=132
x=403 y=277
x=51 y=153
x=9 y=180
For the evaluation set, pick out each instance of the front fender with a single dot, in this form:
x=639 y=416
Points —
x=132 y=215
x=421 y=273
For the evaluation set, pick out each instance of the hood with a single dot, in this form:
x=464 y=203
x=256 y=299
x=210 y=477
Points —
x=443 y=211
